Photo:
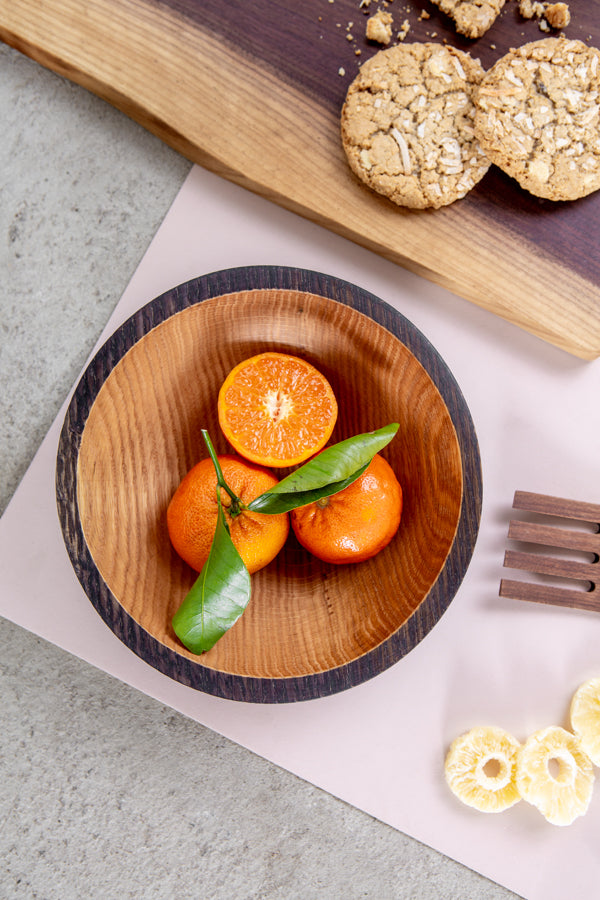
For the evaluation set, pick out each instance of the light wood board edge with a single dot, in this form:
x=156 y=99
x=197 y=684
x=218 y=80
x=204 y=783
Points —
x=216 y=108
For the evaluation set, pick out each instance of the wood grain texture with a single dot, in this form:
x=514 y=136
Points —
x=583 y=573
x=551 y=595
x=557 y=506
x=133 y=429
x=252 y=91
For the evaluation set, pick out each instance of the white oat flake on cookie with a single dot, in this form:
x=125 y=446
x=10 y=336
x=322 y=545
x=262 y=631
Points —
x=538 y=117
x=407 y=125
x=471 y=17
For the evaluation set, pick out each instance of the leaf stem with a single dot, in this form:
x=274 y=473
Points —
x=236 y=503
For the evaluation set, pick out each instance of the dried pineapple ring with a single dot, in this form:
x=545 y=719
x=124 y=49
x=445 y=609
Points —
x=480 y=768
x=585 y=718
x=562 y=795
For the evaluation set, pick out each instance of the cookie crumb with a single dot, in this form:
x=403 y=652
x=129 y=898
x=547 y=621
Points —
x=549 y=15
x=379 y=27
x=531 y=9
x=404 y=30
x=558 y=15
x=472 y=18
x=341 y=71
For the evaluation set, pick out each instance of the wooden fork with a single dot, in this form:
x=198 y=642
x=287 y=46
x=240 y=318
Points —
x=552 y=536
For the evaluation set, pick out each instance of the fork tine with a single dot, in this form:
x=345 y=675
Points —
x=549 y=594
x=549 y=565
x=557 y=506
x=549 y=536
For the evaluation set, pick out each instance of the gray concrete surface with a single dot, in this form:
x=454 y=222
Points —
x=106 y=793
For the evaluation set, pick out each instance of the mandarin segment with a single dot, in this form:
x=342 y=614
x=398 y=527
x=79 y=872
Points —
x=192 y=514
x=555 y=775
x=585 y=717
x=480 y=769
x=276 y=410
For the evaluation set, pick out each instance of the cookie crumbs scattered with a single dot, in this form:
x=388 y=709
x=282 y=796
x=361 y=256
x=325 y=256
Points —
x=550 y=15
x=379 y=27
x=404 y=30
x=424 y=14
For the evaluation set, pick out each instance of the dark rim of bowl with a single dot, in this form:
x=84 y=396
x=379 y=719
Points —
x=191 y=672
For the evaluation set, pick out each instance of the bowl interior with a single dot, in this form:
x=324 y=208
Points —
x=143 y=434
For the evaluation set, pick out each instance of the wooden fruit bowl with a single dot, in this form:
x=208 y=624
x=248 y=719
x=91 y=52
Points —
x=132 y=431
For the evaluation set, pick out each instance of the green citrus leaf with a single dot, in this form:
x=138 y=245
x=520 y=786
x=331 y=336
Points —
x=273 y=503
x=218 y=597
x=327 y=473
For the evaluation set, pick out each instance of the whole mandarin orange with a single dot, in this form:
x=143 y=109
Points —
x=192 y=514
x=356 y=523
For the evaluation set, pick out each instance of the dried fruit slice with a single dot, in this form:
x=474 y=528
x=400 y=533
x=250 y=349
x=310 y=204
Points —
x=585 y=718
x=480 y=768
x=276 y=410
x=555 y=775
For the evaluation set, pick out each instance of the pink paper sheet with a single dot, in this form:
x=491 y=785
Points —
x=488 y=661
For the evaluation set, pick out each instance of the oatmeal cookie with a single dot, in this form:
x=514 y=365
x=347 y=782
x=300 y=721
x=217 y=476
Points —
x=538 y=117
x=471 y=17
x=407 y=126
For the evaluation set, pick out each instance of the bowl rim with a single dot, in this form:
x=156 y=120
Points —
x=191 y=672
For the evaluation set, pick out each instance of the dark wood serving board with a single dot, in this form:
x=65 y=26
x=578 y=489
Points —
x=252 y=89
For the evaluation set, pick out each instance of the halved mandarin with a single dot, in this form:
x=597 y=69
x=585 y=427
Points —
x=276 y=410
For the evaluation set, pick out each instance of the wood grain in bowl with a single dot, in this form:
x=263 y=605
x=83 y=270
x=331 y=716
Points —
x=143 y=435
x=132 y=431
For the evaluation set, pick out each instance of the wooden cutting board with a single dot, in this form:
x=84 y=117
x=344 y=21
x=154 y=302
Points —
x=252 y=89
